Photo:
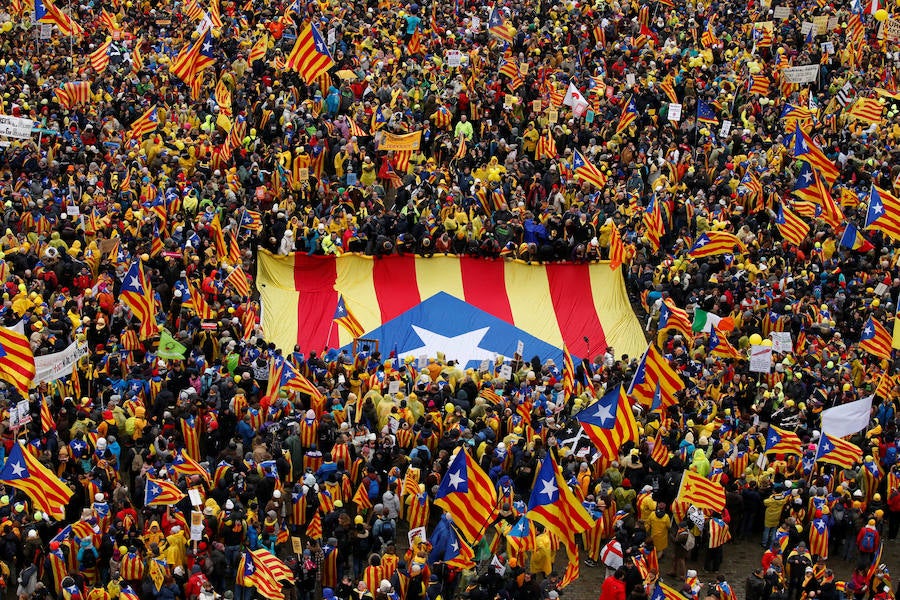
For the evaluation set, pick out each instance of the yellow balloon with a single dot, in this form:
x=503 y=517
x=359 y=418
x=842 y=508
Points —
x=881 y=15
x=755 y=339
x=766 y=342
x=7 y=27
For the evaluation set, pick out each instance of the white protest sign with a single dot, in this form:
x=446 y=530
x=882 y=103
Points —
x=453 y=58
x=15 y=127
x=674 y=112
x=801 y=74
x=194 y=495
x=393 y=387
x=781 y=341
x=506 y=372
x=629 y=79
x=196 y=526
x=760 y=359
x=806 y=26
x=73 y=211
x=416 y=532
x=520 y=347
x=781 y=12
x=726 y=128
x=423 y=361
x=485 y=366
x=46 y=31
x=499 y=567
x=827 y=47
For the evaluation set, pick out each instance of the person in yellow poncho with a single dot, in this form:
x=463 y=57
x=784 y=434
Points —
x=176 y=547
x=543 y=557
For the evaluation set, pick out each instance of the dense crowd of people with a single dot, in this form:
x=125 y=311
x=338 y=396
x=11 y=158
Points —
x=331 y=482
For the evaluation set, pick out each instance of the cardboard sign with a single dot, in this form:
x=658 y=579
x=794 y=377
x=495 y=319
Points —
x=760 y=359
x=509 y=100
x=536 y=106
x=806 y=26
x=506 y=372
x=46 y=31
x=821 y=23
x=296 y=545
x=423 y=361
x=675 y=112
x=523 y=69
x=552 y=115
x=781 y=341
x=394 y=387
x=194 y=495
x=891 y=29
x=303 y=174
x=196 y=526
x=782 y=12
x=485 y=366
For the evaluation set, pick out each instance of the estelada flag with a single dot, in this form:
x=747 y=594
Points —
x=400 y=299
x=701 y=492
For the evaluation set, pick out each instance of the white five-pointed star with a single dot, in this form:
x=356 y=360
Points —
x=808 y=177
x=877 y=208
x=868 y=330
x=549 y=488
x=826 y=447
x=604 y=413
x=135 y=283
x=455 y=545
x=464 y=347
x=455 y=480
x=702 y=241
x=154 y=490
x=18 y=469
x=207 y=47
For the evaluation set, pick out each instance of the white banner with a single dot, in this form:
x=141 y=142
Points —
x=801 y=74
x=891 y=29
x=15 y=127
x=847 y=419
x=55 y=366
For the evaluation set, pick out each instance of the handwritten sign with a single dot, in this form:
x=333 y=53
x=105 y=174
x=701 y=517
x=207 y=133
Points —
x=760 y=359
x=453 y=58
x=801 y=74
x=552 y=115
x=506 y=372
x=782 y=12
x=726 y=128
x=781 y=341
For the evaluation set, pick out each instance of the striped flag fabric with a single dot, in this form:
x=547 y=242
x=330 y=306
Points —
x=719 y=534
x=653 y=378
x=146 y=123
x=875 y=339
x=137 y=295
x=259 y=49
x=45 y=11
x=805 y=149
x=584 y=170
x=100 y=57
x=292 y=379
x=805 y=185
x=251 y=219
x=511 y=69
x=758 y=84
x=16 y=360
x=616 y=248
x=468 y=495
x=185 y=465
x=24 y=472
x=668 y=87
x=414 y=45
x=835 y=451
x=554 y=505
x=660 y=452
x=701 y=492
x=713 y=243
x=310 y=56
x=854 y=240
x=361 y=498
x=673 y=317
x=498 y=27
x=355 y=129
x=720 y=346
x=664 y=592
x=253 y=573
x=198 y=301
x=546 y=147
x=109 y=21
x=218 y=236
x=866 y=109
x=193 y=10
x=654 y=227
x=48 y=423
x=782 y=441
x=629 y=116
x=568 y=374
x=191 y=434
x=302 y=292
x=884 y=212
x=237 y=279
x=830 y=212
x=346 y=319
x=159 y=492
x=855 y=27
x=609 y=422
x=791 y=227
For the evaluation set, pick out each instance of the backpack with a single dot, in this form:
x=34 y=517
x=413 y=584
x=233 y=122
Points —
x=867 y=543
x=387 y=530
x=838 y=513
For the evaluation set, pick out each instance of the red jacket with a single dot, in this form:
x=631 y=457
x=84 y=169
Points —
x=612 y=589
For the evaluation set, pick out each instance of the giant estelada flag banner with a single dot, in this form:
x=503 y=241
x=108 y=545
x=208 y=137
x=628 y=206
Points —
x=467 y=308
